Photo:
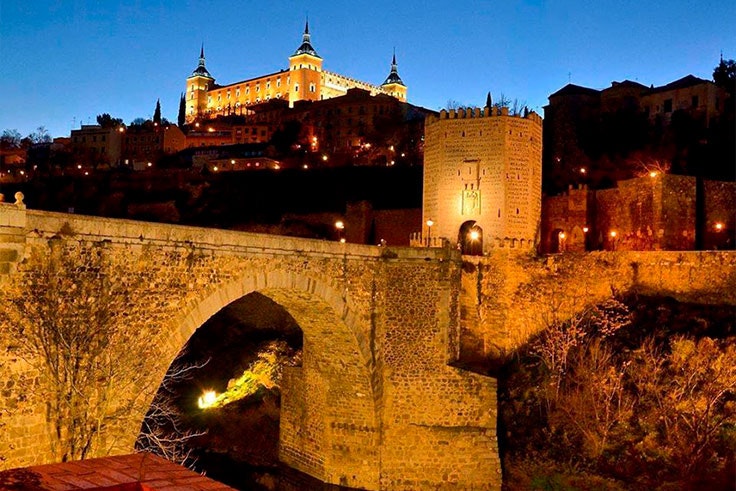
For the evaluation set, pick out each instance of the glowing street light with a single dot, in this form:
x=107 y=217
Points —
x=585 y=230
x=340 y=226
x=718 y=226
x=613 y=234
x=474 y=235
x=653 y=174
x=207 y=399
x=429 y=232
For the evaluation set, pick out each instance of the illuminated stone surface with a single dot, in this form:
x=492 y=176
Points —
x=374 y=404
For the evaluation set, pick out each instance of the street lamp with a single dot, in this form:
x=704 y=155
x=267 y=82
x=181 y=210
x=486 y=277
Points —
x=561 y=241
x=429 y=232
x=718 y=226
x=474 y=236
x=340 y=226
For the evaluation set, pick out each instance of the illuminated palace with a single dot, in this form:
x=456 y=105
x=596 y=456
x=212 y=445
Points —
x=304 y=80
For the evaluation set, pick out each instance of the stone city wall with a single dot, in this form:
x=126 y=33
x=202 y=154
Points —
x=508 y=298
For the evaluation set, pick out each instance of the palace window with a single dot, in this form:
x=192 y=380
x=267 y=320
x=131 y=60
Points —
x=278 y=82
x=258 y=87
x=247 y=90
x=268 y=84
x=311 y=88
x=237 y=92
x=296 y=87
x=668 y=105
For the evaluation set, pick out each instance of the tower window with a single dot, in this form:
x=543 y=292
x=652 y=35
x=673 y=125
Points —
x=296 y=87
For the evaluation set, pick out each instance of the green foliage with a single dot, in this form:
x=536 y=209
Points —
x=645 y=409
x=157 y=112
x=264 y=372
x=182 y=116
x=107 y=121
x=724 y=75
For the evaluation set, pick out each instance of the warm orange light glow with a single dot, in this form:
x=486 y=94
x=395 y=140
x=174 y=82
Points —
x=583 y=170
x=585 y=230
x=613 y=234
x=121 y=129
x=474 y=235
x=430 y=222
x=339 y=225
x=232 y=162
x=197 y=125
x=305 y=166
x=718 y=226
x=211 y=130
x=653 y=174
x=215 y=168
x=79 y=166
x=562 y=235
x=276 y=166
x=324 y=158
x=342 y=241
x=207 y=399
x=150 y=164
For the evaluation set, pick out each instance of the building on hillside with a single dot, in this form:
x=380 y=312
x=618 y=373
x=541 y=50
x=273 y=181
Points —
x=97 y=146
x=304 y=79
x=149 y=142
x=482 y=180
x=654 y=212
x=221 y=133
x=599 y=137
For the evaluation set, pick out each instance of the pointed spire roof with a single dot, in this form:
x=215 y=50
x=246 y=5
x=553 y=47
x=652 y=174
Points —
x=201 y=70
x=393 y=77
x=306 y=47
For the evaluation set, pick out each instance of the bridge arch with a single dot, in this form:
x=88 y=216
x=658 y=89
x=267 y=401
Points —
x=332 y=399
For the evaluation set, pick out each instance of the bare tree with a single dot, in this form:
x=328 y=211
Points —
x=162 y=431
x=67 y=317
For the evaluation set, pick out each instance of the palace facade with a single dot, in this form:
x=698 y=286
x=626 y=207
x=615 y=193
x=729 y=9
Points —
x=303 y=80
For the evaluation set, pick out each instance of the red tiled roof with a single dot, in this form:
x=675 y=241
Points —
x=135 y=472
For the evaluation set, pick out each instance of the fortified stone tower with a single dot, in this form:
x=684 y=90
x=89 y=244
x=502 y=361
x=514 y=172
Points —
x=305 y=66
x=198 y=84
x=482 y=178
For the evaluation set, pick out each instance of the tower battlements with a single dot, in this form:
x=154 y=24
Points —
x=486 y=112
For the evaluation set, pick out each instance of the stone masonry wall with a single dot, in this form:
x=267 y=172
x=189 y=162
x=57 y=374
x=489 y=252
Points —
x=508 y=298
x=374 y=405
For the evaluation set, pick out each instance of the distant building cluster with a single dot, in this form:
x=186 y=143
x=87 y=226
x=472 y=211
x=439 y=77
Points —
x=597 y=137
x=304 y=80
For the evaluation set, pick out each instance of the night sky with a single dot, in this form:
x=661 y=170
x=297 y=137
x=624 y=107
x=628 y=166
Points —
x=67 y=61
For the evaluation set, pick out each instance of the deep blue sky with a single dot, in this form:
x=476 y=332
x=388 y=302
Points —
x=71 y=59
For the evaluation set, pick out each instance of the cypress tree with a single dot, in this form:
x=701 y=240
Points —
x=182 y=117
x=157 y=112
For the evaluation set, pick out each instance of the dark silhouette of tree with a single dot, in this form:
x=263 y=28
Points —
x=182 y=117
x=107 y=121
x=724 y=75
x=10 y=139
x=489 y=100
x=41 y=135
x=157 y=112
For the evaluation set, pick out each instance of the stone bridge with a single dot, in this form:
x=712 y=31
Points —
x=378 y=402
x=375 y=404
